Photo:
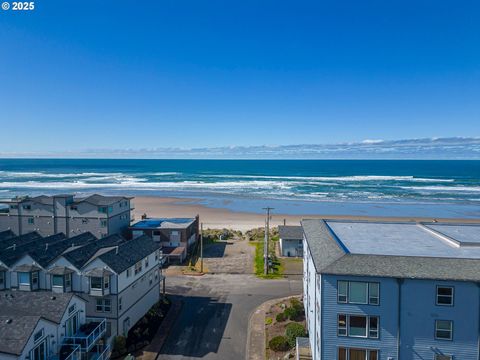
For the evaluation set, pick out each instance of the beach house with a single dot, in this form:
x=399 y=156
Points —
x=291 y=240
x=49 y=215
x=41 y=325
x=392 y=290
x=119 y=280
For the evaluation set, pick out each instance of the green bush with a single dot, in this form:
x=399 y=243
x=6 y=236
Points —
x=279 y=343
x=294 y=330
x=295 y=303
x=280 y=317
x=268 y=321
x=120 y=344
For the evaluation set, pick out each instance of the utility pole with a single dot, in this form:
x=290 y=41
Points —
x=201 y=247
x=267 y=236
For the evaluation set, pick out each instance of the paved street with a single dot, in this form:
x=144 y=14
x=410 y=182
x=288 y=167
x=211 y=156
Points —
x=213 y=323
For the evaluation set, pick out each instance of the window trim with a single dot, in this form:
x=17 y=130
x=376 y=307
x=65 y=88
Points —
x=436 y=329
x=452 y=297
x=347 y=300
x=347 y=352
x=367 y=332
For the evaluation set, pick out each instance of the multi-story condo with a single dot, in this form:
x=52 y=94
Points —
x=119 y=280
x=44 y=326
x=48 y=215
x=176 y=235
x=392 y=291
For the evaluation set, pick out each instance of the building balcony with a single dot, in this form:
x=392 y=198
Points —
x=88 y=334
x=67 y=352
x=99 y=352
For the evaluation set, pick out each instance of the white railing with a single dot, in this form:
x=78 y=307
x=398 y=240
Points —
x=88 y=340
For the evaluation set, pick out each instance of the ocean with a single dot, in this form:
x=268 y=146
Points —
x=352 y=187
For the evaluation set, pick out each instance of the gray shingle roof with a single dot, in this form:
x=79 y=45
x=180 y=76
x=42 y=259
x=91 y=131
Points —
x=79 y=257
x=129 y=253
x=290 y=232
x=24 y=310
x=19 y=240
x=10 y=256
x=101 y=200
x=329 y=257
x=15 y=332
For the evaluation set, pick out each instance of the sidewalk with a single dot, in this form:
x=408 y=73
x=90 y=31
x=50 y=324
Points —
x=256 y=342
x=151 y=351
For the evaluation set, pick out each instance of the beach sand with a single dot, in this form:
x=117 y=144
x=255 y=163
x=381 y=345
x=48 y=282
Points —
x=217 y=218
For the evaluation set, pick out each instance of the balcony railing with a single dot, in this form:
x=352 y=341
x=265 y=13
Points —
x=67 y=352
x=100 y=352
x=88 y=334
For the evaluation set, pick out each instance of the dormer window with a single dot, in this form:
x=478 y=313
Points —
x=102 y=209
x=138 y=267
x=100 y=285
x=27 y=281
x=27 y=207
x=2 y=280
x=62 y=283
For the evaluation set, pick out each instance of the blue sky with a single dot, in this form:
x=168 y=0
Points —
x=104 y=74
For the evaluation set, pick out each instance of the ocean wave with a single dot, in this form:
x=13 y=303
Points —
x=451 y=189
x=352 y=178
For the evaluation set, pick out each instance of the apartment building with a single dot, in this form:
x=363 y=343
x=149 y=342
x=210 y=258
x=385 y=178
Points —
x=41 y=325
x=392 y=291
x=48 y=215
x=119 y=280
x=176 y=235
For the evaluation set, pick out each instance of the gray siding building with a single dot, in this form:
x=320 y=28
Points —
x=48 y=215
x=392 y=291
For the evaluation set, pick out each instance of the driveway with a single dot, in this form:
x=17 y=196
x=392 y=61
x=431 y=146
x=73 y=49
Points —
x=213 y=323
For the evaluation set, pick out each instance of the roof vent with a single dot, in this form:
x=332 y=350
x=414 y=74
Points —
x=116 y=250
x=52 y=298
x=8 y=321
x=46 y=246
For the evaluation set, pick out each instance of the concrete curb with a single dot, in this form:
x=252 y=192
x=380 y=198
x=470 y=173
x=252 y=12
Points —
x=256 y=341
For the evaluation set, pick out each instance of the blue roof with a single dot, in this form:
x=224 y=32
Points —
x=162 y=222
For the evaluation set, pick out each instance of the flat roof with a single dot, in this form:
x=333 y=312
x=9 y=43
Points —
x=164 y=223
x=407 y=239
x=394 y=249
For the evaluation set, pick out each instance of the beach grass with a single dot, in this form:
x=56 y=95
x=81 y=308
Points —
x=277 y=267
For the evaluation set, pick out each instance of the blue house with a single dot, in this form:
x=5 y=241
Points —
x=392 y=290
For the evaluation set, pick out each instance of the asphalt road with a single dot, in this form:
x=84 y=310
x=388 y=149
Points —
x=213 y=323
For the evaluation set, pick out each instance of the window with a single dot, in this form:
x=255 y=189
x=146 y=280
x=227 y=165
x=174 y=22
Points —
x=129 y=272
x=358 y=326
x=68 y=280
x=342 y=291
x=443 y=357
x=73 y=207
x=57 y=280
x=103 y=223
x=443 y=329
x=84 y=221
x=120 y=303
x=103 y=305
x=72 y=308
x=23 y=278
x=31 y=221
x=110 y=209
x=27 y=207
x=96 y=283
x=146 y=262
x=102 y=209
x=342 y=325
x=106 y=282
x=150 y=279
x=35 y=278
x=2 y=279
x=13 y=207
x=357 y=354
x=138 y=267
x=38 y=335
x=445 y=295
x=358 y=292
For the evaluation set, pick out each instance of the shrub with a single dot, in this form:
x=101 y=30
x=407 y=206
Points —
x=295 y=303
x=280 y=317
x=294 y=330
x=268 y=320
x=120 y=344
x=279 y=343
